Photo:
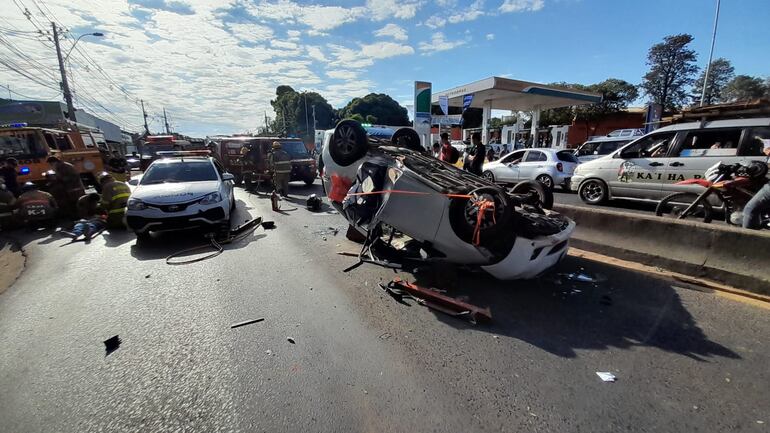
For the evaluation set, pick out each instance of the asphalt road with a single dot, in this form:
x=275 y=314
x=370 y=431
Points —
x=633 y=206
x=685 y=360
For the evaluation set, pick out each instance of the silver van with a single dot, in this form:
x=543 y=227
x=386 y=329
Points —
x=599 y=146
x=649 y=167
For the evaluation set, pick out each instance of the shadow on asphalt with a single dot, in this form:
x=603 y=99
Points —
x=562 y=316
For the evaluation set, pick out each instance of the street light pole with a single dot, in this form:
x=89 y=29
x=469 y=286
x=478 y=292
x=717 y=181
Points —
x=65 y=87
x=711 y=54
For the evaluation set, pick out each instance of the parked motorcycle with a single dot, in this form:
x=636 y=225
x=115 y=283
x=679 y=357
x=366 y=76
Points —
x=732 y=184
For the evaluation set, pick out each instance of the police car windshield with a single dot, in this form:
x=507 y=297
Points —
x=295 y=148
x=179 y=171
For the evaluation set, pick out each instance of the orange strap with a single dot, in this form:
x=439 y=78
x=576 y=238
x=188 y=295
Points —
x=484 y=206
x=397 y=191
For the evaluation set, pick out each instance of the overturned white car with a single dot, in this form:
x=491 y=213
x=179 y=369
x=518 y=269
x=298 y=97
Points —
x=384 y=185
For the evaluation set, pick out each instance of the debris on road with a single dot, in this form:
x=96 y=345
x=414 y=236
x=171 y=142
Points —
x=291 y=340
x=313 y=203
x=111 y=344
x=268 y=352
x=268 y=225
x=583 y=277
x=434 y=300
x=385 y=336
x=605 y=300
x=606 y=376
x=246 y=322
x=147 y=276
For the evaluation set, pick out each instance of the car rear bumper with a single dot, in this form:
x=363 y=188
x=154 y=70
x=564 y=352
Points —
x=208 y=218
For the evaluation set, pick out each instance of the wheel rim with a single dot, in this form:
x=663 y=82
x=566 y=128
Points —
x=346 y=141
x=592 y=191
x=545 y=180
x=489 y=176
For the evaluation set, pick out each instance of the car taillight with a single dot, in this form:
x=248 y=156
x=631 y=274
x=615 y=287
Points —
x=559 y=166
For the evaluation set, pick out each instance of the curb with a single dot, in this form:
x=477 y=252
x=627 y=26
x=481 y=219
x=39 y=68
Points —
x=733 y=256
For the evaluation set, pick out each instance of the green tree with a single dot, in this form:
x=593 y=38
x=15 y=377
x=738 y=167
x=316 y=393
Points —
x=294 y=112
x=720 y=73
x=382 y=107
x=672 y=67
x=370 y=119
x=616 y=95
x=743 y=88
x=357 y=117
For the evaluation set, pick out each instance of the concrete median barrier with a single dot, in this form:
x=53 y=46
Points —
x=740 y=258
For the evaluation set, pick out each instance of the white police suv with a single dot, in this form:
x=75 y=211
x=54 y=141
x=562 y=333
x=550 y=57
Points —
x=182 y=190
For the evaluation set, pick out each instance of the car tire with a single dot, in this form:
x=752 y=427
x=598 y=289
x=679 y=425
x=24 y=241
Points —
x=461 y=217
x=309 y=181
x=545 y=194
x=488 y=175
x=593 y=191
x=409 y=137
x=546 y=180
x=349 y=143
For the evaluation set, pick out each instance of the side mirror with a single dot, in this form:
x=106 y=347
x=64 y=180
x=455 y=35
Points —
x=228 y=177
x=133 y=182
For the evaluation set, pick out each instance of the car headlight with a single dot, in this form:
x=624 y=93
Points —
x=212 y=198
x=136 y=204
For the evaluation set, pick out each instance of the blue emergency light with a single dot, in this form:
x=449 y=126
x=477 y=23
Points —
x=14 y=125
x=24 y=170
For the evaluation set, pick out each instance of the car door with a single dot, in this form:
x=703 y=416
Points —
x=696 y=151
x=533 y=162
x=227 y=185
x=509 y=170
x=641 y=171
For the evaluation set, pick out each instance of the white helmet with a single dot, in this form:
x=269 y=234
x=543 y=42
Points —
x=713 y=172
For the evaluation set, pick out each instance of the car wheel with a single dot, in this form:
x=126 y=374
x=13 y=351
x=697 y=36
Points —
x=348 y=143
x=546 y=180
x=488 y=175
x=463 y=214
x=545 y=196
x=407 y=138
x=309 y=181
x=593 y=191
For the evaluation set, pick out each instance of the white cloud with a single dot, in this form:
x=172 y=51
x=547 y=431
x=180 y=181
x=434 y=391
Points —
x=435 y=22
x=284 y=44
x=446 y=3
x=342 y=74
x=384 y=9
x=392 y=30
x=490 y=36
x=318 y=17
x=474 y=11
x=521 y=5
x=248 y=32
x=438 y=42
x=383 y=50
x=315 y=53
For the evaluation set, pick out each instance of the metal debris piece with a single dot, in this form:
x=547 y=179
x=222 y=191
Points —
x=385 y=336
x=268 y=352
x=606 y=376
x=291 y=340
x=439 y=302
x=246 y=322
x=147 y=276
x=111 y=344
x=268 y=225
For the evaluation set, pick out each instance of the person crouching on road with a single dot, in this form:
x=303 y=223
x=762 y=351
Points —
x=114 y=200
x=70 y=180
x=89 y=205
x=280 y=163
x=8 y=172
x=36 y=208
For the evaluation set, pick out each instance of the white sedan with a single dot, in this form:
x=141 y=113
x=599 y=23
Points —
x=548 y=166
x=181 y=192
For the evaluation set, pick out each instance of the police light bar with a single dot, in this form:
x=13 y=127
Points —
x=15 y=125
x=171 y=153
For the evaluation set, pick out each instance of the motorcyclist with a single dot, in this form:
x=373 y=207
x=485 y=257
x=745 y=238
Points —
x=760 y=203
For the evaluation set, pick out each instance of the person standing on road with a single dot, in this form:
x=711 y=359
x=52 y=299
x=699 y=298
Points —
x=7 y=204
x=280 y=163
x=70 y=181
x=9 y=174
x=477 y=161
x=760 y=202
x=36 y=208
x=436 y=150
x=114 y=200
x=447 y=151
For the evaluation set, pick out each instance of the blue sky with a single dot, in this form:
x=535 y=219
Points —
x=214 y=64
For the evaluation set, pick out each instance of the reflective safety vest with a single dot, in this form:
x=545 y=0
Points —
x=115 y=198
x=36 y=205
x=280 y=161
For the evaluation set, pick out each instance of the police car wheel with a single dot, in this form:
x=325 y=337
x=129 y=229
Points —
x=593 y=191
x=349 y=143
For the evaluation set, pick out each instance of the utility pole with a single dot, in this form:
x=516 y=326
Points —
x=711 y=54
x=165 y=120
x=315 y=125
x=144 y=114
x=267 y=126
x=307 y=127
x=65 y=87
x=10 y=97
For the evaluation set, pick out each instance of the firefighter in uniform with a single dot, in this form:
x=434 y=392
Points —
x=114 y=200
x=280 y=164
x=36 y=208
x=7 y=204
x=70 y=180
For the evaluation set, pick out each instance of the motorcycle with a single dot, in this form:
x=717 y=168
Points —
x=732 y=185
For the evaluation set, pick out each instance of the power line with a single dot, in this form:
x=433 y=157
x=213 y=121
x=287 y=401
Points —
x=8 y=88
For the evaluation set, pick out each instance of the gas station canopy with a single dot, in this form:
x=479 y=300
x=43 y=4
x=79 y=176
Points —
x=498 y=93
